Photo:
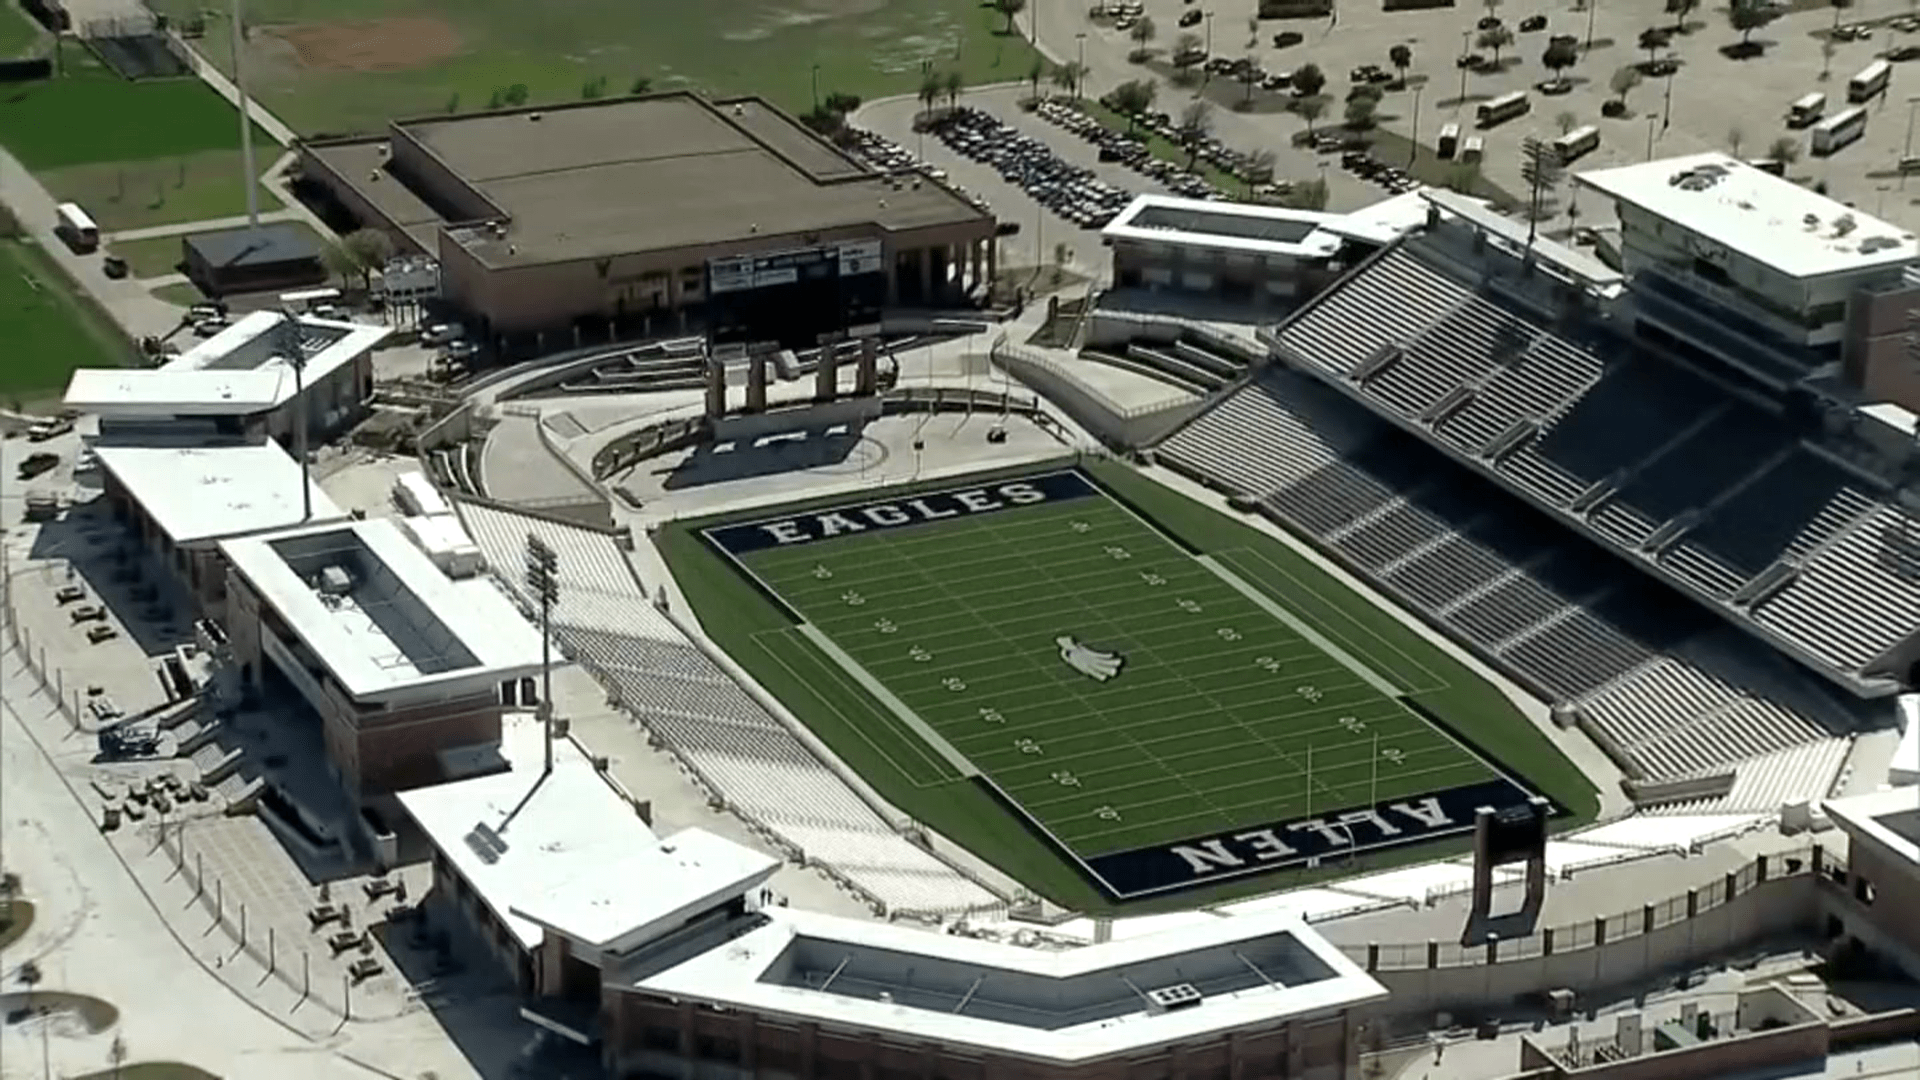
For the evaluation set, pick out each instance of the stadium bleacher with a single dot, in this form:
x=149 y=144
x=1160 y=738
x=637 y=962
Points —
x=1653 y=457
x=761 y=769
x=1530 y=597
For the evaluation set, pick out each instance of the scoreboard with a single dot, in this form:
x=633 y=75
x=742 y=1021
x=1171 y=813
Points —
x=796 y=295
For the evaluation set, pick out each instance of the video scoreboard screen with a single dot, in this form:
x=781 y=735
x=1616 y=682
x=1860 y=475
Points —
x=794 y=296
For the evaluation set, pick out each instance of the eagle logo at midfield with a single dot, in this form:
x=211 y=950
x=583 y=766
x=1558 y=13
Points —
x=1096 y=664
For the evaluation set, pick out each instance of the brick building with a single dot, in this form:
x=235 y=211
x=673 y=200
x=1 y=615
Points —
x=408 y=671
x=542 y=217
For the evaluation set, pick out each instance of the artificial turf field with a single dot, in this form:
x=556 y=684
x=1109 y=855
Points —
x=1248 y=725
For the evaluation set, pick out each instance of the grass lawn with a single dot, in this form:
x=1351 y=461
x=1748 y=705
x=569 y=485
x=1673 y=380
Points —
x=1217 y=715
x=49 y=328
x=184 y=295
x=344 y=71
x=18 y=33
x=151 y=1070
x=163 y=191
x=89 y=115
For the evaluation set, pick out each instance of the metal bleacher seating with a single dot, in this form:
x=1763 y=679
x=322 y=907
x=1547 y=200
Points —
x=685 y=700
x=1529 y=596
x=1647 y=449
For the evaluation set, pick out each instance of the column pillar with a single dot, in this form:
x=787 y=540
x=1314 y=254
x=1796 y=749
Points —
x=868 y=380
x=926 y=275
x=756 y=382
x=973 y=260
x=893 y=278
x=716 y=388
x=826 y=377
x=993 y=254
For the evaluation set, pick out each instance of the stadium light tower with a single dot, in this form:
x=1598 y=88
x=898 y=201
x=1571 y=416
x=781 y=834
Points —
x=543 y=580
x=249 y=180
x=289 y=331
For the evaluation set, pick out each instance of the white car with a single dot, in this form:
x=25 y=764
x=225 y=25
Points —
x=442 y=333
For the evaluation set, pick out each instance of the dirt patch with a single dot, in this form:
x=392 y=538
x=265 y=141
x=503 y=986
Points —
x=375 y=45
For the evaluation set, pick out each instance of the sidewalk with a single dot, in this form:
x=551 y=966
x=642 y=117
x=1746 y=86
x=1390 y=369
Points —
x=184 y=228
x=126 y=301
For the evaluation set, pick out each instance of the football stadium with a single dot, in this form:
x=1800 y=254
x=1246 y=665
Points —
x=1486 y=632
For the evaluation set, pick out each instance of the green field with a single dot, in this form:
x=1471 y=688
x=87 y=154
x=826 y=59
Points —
x=1206 y=729
x=19 y=35
x=49 y=330
x=469 y=50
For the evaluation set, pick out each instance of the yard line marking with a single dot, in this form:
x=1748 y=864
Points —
x=1273 y=608
x=959 y=761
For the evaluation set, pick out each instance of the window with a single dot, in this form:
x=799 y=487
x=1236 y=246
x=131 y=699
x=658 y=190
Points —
x=655 y=1037
x=716 y=1048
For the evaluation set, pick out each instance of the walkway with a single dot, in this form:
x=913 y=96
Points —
x=184 y=228
x=126 y=301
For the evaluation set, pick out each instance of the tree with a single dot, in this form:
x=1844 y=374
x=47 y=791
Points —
x=1494 y=40
x=1540 y=167
x=1560 y=56
x=1143 y=33
x=931 y=87
x=593 y=88
x=1680 y=9
x=1311 y=109
x=515 y=96
x=1308 y=195
x=1035 y=72
x=1187 y=50
x=1132 y=99
x=641 y=85
x=1249 y=77
x=1009 y=8
x=29 y=976
x=117 y=1054
x=1653 y=39
x=1736 y=138
x=1838 y=7
x=1196 y=123
x=453 y=102
x=339 y=262
x=1259 y=168
x=1566 y=121
x=1785 y=150
x=953 y=84
x=1309 y=80
x=370 y=249
x=1067 y=76
x=1401 y=57
x=1747 y=16
x=1623 y=82
x=1360 y=113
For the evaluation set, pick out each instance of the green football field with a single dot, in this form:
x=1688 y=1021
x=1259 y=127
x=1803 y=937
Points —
x=1129 y=697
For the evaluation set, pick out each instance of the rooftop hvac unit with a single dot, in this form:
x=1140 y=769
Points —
x=1177 y=996
x=335 y=581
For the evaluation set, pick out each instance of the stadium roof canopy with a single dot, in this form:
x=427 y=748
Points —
x=200 y=493
x=610 y=177
x=379 y=614
x=1730 y=204
x=1222 y=226
x=1066 y=1007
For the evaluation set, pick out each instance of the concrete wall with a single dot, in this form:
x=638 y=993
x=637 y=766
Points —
x=1120 y=426
x=317 y=170
x=1768 y=908
x=437 y=184
x=1800 y=1043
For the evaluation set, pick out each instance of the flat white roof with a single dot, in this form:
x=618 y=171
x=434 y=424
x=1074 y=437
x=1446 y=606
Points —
x=1763 y=217
x=575 y=856
x=1571 y=263
x=1891 y=817
x=399 y=624
x=438 y=532
x=757 y=971
x=242 y=369
x=1225 y=226
x=197 y=493
x=1385 y=221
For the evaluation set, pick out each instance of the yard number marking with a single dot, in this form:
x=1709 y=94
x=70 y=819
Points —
x=1227 y=633
x=1311 y=693
x=821 y=573
x=853 y=599
x=992 y=716
x=1268 y=664
x=1394 y=755
x=1081 y=526
x=919 y=655
x=1106 y=813
x=1152 y=578
x=1066 y=779
x=886 y=626
x=1353 y=724
x=953 y=683
x=1117 y=553
x=1027 y=746
x=1191 y=607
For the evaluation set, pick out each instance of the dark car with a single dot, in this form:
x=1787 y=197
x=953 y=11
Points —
x=1533 y=23
x=1288 y=39
x=35 y=464
x=1190 y=18
x=1489 y=22
x=1471 y=61
x=1904 y=53
x=114 y=267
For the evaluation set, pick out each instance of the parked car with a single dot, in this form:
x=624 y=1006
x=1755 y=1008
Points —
x=1287 y=39
x=213 y=309
x=114 y=267
x=1533 y=23
x=1488 y=22
x=35 y=464
x=461 y=350
x=1190 y=18
x=209 y=327
x=442 y=333
x=43 y=430
x=1904 y=53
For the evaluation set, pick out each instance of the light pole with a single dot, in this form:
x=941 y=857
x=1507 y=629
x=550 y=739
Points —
x=543 y=580
x=1413 y=152
x=1466 y=36
x=1651 y=120
x=1591 y=5
x=1081 y=37
x=297 y=360
x=1666 y=108
x=246 y=121
x=1906 y=150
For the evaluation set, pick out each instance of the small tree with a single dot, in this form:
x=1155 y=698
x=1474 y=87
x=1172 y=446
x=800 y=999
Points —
x=1560 y=56
x=1186 y=50
x=1259 y=168
x=1542 y=170
x=1747 y=16
x=1360 y=113
x=1131 y=99
x=1736 y=138
x=1623 y=82
x=1196 y=123
x=1309 y=80
x=931 y=87
x=1009 y=8
x=1311 y=109
x=1401 y=57
x=1838 y=7
x=1309 y=195
x=953 y=84
x=339 y=262
x=453 y=102
x=593 y=88
x=1785 y=150
x=1249 y=77
x=1652 y=39
x=1566 y=121
x=1680 y=9
x=117 y=1054
x=1494 y=40
x=370 y=249
x=641 y=85
x=515 y=95
x=1067 y=77
x=1143 y=33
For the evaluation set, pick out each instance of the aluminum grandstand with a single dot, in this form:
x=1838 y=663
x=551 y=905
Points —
x=1456 y=344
